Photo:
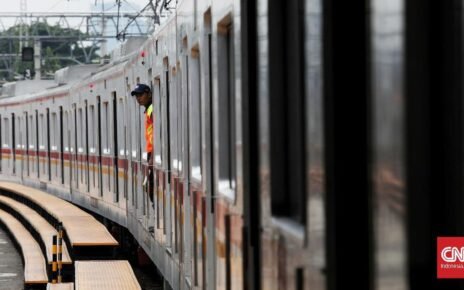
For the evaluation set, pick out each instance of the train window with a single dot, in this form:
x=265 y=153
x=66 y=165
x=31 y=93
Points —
x=121 y=128
x=180 y=139
x=13 y=144
x=195 y=114
x=158 y=120
x=100 y=150
x=173 y=123
x=287 y=110
x=92 y=146
x=74 y=148
x=54 y=140
x=6 y=121
x=115 y=147
x=42 y=131
x=61 y=145
x=1 y=144
x=91 y=128
x=80 y=141
x=208 y=107
x=106 y=137
x=389 y=201
x=26 y=151
x=36 y=140
x=66 y=144
x=49 y=163
x=86 y=147
x=226 y=108
x=31 y=134
x=195 y=15
x=136 y=137
x=42 y=141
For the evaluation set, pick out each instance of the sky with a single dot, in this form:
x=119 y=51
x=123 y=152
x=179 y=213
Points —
x=73 y=6
x=67 y=5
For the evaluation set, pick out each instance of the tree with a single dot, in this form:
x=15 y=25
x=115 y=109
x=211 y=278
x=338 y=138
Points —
x=55 y=53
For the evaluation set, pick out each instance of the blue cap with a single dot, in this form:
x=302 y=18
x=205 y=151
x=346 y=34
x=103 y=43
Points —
x=140 y=88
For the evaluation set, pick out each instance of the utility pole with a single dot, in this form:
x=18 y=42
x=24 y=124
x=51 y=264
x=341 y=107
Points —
x=103 y=44
x=22 y=23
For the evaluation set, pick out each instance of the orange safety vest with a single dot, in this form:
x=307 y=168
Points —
x=149 y=129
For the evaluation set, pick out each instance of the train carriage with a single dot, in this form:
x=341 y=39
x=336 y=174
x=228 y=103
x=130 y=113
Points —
x=249 y=158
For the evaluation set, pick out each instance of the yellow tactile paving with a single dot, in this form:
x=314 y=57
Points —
x=45 y=230
x=82 y=228
x=60 y=286
x=34 y=261
x=105 y=275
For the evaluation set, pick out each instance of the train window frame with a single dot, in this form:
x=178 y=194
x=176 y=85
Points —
x=180 y=125
x=288 y=189
x=54 y=141
x=106 y=151
x=226 y=88
x=6 y=133
x=91 y=137
x=158 y=120
x=41 y=132
x=195 y=115
x=174 y=119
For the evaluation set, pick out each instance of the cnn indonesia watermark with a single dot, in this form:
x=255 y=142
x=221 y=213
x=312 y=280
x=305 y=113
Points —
x=450 y=257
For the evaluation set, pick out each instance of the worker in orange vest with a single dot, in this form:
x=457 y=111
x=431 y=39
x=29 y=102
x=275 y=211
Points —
x=143 y=95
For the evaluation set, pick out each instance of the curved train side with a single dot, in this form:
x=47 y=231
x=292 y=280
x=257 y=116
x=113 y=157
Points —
x=82 y=139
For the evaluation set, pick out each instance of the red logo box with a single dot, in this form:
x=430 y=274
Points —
x=450 y=257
